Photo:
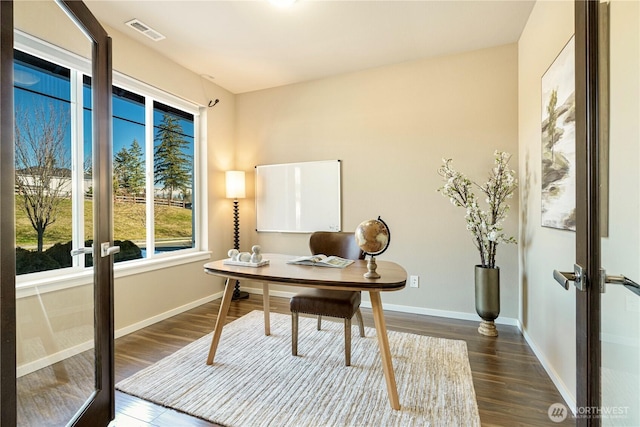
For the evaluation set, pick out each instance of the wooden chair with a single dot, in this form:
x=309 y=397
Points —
x=324 y=302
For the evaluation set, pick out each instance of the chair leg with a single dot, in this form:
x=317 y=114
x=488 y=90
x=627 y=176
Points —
x=347 y=342
x=360 y=322
x=319 y=322
x=294 y=333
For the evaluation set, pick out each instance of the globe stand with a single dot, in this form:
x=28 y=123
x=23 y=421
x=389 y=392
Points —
x=373 y=237
x=371 y=267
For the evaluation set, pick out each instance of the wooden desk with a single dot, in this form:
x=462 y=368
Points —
x=393 y=278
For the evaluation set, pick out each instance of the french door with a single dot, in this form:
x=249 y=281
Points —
x=619 y=321
x=56 y=347
x=608 y=214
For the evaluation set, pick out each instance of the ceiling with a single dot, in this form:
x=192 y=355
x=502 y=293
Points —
x=250 y=45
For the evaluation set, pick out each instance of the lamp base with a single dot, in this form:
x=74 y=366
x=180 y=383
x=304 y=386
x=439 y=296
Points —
x=241 y=295
x=237 y=293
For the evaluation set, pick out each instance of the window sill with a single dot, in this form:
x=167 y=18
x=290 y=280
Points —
x=58 y=282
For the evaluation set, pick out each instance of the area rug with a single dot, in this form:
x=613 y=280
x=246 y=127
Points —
x=255 y=381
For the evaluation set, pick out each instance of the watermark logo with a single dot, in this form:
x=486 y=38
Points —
x=604 y=412
x=557 y=412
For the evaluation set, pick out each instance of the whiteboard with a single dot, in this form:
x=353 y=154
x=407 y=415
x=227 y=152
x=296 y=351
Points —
x=298 y=197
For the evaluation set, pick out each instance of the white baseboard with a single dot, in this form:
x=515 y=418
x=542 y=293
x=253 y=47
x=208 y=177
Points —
x=162 y=316
x=49 y=360
x=30 y=367
x=402 y=308
x=564 y=391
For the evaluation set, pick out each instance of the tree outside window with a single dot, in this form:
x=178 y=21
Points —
x=128 y=171
x=43 y=164
x=173 y=179
x=172 y=161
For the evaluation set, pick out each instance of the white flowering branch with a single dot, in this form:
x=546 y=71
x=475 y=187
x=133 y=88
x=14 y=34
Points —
x=484 y=225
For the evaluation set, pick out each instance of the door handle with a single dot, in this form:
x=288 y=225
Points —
x=577 y=277
x=564 y=278
x=617 y=280
x=106 y=249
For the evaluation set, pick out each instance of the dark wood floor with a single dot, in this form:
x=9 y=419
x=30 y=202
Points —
x=512 y=388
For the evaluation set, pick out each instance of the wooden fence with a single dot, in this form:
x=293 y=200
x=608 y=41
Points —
x=156 y=201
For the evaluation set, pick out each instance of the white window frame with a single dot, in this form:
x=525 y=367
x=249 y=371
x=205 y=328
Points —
x=46 y=281
x=151 y=95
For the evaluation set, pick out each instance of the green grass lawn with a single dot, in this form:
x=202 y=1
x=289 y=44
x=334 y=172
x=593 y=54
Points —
x=129 y=223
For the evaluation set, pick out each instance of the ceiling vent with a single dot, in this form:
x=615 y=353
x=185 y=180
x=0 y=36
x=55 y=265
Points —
x=145 y=29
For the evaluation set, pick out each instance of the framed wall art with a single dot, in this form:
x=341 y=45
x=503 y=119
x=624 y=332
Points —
x=558 y=177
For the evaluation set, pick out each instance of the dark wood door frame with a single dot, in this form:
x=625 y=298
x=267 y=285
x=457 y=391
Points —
x=8 y=401
x=102 y=405
x=587 y=211
x=100 y=408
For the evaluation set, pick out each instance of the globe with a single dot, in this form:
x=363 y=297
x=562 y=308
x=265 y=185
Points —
x=373 y=236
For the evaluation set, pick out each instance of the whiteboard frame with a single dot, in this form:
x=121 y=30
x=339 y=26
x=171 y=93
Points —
x=326 y=197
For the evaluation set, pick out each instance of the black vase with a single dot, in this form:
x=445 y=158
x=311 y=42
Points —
x=487 y=298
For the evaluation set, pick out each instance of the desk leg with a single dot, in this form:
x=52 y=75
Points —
x=385 y=353
x=265 y=308
x=222 y=316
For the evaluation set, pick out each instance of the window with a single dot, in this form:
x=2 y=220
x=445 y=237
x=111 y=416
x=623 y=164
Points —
x=129 y=175
x=154 y=177
x=173 y=156
x=43 y=162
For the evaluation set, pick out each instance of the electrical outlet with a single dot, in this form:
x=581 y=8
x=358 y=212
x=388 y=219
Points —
x=414 y=281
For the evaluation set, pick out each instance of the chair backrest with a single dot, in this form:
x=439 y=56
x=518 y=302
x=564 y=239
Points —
x=340 y=244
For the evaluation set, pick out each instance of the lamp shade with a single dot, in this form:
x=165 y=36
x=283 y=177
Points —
x=235 y=184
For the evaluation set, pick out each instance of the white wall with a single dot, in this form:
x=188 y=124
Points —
x=548 y=311
x=390 y=127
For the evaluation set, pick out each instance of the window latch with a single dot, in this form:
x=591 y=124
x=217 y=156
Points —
x=106 y=249
x=82 y=251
